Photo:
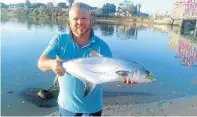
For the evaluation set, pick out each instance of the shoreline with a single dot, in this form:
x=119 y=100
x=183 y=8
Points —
x=124 y=20
x=140 y=20
x=185 y=106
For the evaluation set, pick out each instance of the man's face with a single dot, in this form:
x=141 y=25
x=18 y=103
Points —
x=80 y=22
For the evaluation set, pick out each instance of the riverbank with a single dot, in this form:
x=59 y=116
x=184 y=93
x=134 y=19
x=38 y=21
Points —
x=58 y=14
x=185 y=106
x=140 y=20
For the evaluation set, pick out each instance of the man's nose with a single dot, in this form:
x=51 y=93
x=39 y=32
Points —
x=79 y=21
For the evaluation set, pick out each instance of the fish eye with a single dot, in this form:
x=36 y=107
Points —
x=122 y=73
x=147 y=72
x=144 y=70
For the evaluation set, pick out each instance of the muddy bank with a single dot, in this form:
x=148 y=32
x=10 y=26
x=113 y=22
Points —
x=185 y=106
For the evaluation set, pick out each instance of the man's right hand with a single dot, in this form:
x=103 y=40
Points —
x=57 y=67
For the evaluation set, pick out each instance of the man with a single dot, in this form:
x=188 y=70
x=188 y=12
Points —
x=69 y=46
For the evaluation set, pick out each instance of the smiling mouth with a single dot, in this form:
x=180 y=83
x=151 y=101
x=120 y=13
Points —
x=80 y=26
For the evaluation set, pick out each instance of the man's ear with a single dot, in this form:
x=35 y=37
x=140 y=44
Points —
x=91 y=20
x=69 y=22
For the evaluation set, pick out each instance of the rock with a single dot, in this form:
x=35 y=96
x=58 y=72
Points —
x=45 y=98
x=45 y=94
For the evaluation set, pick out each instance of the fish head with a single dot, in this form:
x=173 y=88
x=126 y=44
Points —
x=144 y=74
x=137 y=75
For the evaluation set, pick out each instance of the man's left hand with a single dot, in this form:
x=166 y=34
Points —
x=128 y=81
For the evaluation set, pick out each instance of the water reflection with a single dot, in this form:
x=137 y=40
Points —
x=106 y=29
x=186 y=49
x=123 y=32
x=126 y=32
x=62 y=27
x=187 y=52
x=36 y=22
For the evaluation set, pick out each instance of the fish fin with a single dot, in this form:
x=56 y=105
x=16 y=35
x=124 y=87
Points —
x=94 y=53
x=89 y=87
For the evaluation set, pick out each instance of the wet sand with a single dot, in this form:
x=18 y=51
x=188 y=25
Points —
x=186 y=106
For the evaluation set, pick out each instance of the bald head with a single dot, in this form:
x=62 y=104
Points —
x=80 y=6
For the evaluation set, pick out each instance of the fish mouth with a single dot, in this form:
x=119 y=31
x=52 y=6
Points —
x=151 y=78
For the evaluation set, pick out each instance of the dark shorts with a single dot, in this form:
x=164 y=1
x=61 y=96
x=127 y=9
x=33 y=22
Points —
x=64 y=112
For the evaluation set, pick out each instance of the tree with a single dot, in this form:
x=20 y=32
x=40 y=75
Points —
x=50 y=5
x=130 y=8
x=38 y=5
x=62 y=5
x=27 y=3
x=20 y=4
x=138 y=9
x=3 y=5
x=127 y=7
x=108 y=8
x=70 y=2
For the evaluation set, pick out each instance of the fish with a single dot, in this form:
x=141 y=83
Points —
x=98 y=69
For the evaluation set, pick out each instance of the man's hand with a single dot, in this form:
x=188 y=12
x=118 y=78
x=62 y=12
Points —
x=57 y=67
x=128 y=81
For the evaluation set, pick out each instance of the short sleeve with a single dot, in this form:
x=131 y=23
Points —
x=105 y=50
x=53 y=48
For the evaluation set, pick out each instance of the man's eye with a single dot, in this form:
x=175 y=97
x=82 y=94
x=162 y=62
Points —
x=74 y=18
x=84 y=18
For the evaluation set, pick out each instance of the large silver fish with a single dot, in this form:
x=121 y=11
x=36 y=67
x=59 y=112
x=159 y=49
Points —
x=98 y=69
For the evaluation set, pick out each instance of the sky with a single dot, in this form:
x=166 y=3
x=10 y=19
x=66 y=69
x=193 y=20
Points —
x=148 y=6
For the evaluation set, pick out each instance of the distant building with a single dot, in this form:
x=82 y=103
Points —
x=179 y=8
x=141 y=14
x=185 y=8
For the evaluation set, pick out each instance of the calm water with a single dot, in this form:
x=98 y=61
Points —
x=170 y=57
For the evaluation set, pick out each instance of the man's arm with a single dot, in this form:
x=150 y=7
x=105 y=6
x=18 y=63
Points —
x=45 y=64
x=49 y=60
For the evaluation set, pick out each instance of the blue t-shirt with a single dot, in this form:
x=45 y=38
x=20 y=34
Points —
x=72 y=89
